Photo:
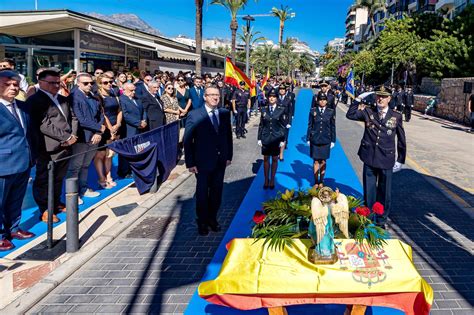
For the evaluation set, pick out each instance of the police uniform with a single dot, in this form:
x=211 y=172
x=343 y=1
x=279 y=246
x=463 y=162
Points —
x=321 y=131
x=241 y=98
x=330 y=98
x=377 y=150
x=409 y=101
x=272 y=127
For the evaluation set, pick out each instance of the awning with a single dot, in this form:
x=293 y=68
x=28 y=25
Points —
x=163 y=51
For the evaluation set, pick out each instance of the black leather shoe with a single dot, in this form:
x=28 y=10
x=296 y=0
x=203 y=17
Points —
x=214 y=226
x=202 y=229
x=243 y=136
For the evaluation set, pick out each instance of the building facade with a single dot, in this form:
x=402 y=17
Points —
x=355 y=20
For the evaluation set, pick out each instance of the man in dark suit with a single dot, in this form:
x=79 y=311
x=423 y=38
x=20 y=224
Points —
x=409 y=101
x=142 y=86
x=135 y=121
x=208 y=151
x=16 y=159
x=153 y=106
x=377 y=149
x=55 y=126
x=196 y=93
x=91 y=126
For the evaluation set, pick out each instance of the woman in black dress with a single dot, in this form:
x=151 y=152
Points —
x=271 y=136
x=321 y=136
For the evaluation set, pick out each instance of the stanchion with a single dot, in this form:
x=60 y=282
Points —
x=72 y=216
x=51 y=205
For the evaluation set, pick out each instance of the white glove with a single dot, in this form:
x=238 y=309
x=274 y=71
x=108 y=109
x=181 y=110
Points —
x=235 y=112
x=259 y=142
x=332 y=145
x=248 y=111
x=282 y=143
x=397 y=167
x=308 y=142
x=288 y=126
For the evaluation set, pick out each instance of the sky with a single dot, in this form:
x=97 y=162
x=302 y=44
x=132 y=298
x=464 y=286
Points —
x=316 y=21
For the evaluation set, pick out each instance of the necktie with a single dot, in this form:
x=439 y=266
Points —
x=271 y=110
x=214 y=120
x=14 y=113
x=381 y=115
x=198 y=92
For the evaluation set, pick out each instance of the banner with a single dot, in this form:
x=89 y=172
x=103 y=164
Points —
x=265 y=78
x=152 y=155
x=350 y=85
x=253 y=90
x=234 y=75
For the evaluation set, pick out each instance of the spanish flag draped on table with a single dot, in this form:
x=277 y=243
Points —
x=252 y=277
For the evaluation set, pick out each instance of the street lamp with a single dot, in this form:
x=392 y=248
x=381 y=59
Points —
x=248 y=19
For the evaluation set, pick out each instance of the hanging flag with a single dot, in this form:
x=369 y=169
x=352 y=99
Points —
x=350 y=85
x=234 y=75
x=253 y=90
x=265 y=79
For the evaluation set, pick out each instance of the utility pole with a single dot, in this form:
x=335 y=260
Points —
x=36 y=5
x=248 y=19
x=391 y=77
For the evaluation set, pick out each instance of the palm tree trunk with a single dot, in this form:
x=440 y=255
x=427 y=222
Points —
x=198 y=36
x=233 y=27
x=372 y=23
x=280 y=36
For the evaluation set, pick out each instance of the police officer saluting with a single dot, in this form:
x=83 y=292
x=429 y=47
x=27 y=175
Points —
x=321 y=136
x=271 y=135
x=240 y=106
x=377 y=149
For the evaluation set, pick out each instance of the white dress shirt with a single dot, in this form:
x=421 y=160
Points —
x=209 y=112
x=54 y=98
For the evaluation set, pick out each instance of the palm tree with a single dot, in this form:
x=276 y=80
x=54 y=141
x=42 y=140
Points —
x=250 y=36
x=372 y=6
x=288 y=59
x=306 y=64
x=199 y=4
x=233 y=6
x=264 y=57
x=282 y=14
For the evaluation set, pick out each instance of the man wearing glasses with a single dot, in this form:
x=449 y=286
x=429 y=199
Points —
x=55 y=125
x=208 y=151
x=377 y=149
x=89 y=133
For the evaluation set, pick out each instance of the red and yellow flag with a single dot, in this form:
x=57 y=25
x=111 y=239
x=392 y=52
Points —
x=265 y=78
x=253 y=90
x=234 y=75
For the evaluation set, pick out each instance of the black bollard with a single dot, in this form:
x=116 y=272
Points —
x=72 y=216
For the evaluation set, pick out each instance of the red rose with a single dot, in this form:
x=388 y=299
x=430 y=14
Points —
x=364 y=211
x=259 y=217
x=378 y=208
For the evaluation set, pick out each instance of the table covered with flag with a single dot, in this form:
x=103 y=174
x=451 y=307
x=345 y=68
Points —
x=253 y=276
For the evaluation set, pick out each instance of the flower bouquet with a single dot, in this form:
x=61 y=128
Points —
x=288 y=217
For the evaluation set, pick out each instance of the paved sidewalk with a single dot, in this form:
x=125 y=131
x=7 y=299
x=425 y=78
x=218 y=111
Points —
x=156 y=265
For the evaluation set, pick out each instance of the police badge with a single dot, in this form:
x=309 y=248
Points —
x=389 y=132
x=264 y=114
x=391 y=123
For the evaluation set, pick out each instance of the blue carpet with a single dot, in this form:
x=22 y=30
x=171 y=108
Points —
x=30 y=213
x=295 y=172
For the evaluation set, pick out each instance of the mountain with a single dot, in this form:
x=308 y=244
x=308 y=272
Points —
x=127 y=20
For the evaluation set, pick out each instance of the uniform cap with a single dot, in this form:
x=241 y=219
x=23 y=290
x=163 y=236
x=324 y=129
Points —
x=10 y=74
x=273 y=92
x=323 y=83
x=383 y=90
x=322 y=97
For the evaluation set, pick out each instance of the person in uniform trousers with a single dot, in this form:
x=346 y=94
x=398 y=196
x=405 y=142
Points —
x=240 y=106
x=399 y=99
x=285 y=99
x=321 y=136
x=271 y=135
x=409 y=101
x=378 y=147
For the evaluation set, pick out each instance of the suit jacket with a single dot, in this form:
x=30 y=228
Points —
x=154 y=110
x=203 y=146
x=140 y=89
x=50 y=125
x=288 y=102
x=272 y=127
x=321 y=127
x=377 y=148
x=409 y=99
x=89 y=115
x=197 y=101
x=133 y=114
x=17 y=151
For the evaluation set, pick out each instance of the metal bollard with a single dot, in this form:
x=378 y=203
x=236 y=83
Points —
x=72 y=216
x=51 y=205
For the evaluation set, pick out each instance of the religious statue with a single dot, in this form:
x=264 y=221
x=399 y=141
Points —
x=324 y=208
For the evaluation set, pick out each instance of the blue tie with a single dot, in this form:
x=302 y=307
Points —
x=214 y=120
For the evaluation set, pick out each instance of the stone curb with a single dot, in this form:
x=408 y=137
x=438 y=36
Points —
x=36 y=293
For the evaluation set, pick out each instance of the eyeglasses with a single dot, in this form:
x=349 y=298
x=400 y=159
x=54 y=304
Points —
x=107 y=82
x=98 y=73
x=180 y=80
x=87 y=83
x=52 y=82
x=213 y=95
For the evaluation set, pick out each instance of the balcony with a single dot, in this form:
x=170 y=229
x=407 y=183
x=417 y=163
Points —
x=412 y=6
x=444 y=5
x=350 y=32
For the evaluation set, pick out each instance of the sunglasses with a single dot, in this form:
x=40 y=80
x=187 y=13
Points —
x=107 y=82
x=169 y=88
x=98 y=73
x=87 y=83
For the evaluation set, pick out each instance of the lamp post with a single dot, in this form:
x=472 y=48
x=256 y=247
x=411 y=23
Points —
x=248 y=19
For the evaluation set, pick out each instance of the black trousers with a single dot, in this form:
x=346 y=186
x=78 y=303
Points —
x=209 y=185
x=40 y=184
x=240 y=120
x=378 y=187
x=407 y=113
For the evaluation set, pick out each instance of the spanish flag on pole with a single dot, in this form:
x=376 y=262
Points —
x=234 y=75
x=253 y=90
x=265 y=78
